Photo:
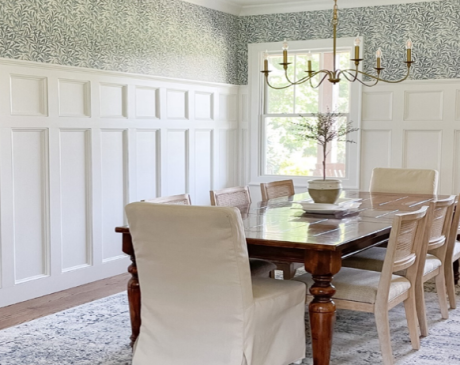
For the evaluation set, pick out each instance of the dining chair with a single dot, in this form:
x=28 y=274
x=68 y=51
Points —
x=432 y=262
x=278 y=189
x=208 y=309
x=404 y=181
x=183 y=199
x=240 y=197
x=452 y=255
x=375 y=292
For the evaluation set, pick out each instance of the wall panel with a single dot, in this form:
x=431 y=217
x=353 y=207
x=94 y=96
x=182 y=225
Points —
x=177 y=162
x=147 y=165
x=113 y=190
x=227 y=159
x=203 y=168
x=31 y=240
x=376 y=152
x=75 y=217
x=422 y=149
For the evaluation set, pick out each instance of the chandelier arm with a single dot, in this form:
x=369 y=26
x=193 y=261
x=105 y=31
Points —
x=276 y=87
x=306 y=78
x=379 y=78
x=344 y=72
x=319 y=84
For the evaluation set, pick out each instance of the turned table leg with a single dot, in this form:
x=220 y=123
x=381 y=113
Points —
x=134 y=291
x=322 y=266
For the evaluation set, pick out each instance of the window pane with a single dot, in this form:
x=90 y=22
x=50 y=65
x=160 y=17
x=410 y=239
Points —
x=287 y=154
x=306 y=97
x=342 y=89
x=280 y=101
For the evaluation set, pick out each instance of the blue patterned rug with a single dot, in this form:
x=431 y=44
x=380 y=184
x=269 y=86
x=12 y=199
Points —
x=98 y=333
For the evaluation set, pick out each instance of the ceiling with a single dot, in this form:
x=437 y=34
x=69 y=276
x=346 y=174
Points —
x=257 y=7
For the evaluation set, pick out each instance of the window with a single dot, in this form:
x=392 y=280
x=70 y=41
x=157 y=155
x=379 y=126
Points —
x=281 y=153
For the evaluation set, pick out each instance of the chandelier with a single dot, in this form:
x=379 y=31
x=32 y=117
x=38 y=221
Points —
x=334 y=76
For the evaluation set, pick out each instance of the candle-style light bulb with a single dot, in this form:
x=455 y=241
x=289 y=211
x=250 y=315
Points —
x=357 y=43
x=309 y=60
x=378 y=55
x=266 y=61
x=285 y=51
x=409 y=45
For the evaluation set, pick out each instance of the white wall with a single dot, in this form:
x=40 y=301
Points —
x=76 y=145
x=415 y=124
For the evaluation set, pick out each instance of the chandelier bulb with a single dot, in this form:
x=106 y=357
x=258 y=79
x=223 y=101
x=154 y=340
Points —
x=285 y=45
x=357 y=41
x=409 y=44
x=378 y=54
x=309 y=56
x=266 y=55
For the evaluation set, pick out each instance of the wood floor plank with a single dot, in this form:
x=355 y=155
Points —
x=39 y=307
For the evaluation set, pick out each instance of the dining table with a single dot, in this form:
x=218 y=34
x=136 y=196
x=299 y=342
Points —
x=280 y=230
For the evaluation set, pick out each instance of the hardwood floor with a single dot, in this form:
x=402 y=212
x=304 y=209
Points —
x=56 y=302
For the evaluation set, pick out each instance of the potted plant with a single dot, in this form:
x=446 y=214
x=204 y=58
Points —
x=325 y=128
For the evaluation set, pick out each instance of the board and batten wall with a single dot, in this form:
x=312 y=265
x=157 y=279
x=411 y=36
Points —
x=415 y=124
x=77 y=145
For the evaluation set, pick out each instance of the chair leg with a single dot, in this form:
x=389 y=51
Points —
x=442 y=295
x=421 y=309
x=449 y=274
x=456 y=271
x=412 y=322
x=383 y=329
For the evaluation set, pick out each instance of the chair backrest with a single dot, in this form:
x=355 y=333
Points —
x=453 y=232
x=404 y=181
x=407 y=240
x=277 y=189
x=231 y=197
x=195 y=312
x=183 y=199
x=441 y=223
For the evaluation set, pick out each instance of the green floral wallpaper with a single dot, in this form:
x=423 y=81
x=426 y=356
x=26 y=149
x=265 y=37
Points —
x=168 y=38
x=173 y=38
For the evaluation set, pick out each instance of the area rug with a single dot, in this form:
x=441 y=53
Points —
x=98 y=333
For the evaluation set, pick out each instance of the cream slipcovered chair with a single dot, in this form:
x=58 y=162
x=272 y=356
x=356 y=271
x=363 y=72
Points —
x=182 y=199
x=404 y=181
x=374 y=292
x=432 y=265
x=207 y=310
x=278 y=189
x=452 y=255
x=240 y=197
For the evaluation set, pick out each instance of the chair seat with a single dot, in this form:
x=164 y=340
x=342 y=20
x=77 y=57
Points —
x=372 y=260
x=278 y=305
x=261 y=268
x=360 y=285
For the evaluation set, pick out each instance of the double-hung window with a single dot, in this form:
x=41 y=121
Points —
x=280 y=153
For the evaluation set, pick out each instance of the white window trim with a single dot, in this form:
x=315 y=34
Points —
x=256 y=102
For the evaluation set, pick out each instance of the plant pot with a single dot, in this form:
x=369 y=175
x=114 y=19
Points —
x=325 y=191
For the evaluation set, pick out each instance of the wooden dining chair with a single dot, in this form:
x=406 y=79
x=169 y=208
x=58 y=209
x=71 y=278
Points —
x=240 y=197
x=375 y=292
x=278 y=189
x=432 y=264
x=452 y=255
x=404 y=181
x=183 y=199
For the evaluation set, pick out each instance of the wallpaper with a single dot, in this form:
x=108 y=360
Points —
x=434 y=27
x=173 y=38
x=168 y=38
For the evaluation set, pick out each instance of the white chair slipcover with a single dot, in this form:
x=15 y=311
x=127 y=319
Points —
x=404 y=181
x=206 y=309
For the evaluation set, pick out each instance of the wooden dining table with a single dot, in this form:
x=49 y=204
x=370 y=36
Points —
x=281 y=230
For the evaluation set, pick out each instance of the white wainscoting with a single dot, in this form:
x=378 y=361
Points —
x=77 y=145
x=415 y=124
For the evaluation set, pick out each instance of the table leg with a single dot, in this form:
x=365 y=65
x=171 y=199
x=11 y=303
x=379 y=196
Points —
x=456 y=272
x=323 y=266
x=134 y=299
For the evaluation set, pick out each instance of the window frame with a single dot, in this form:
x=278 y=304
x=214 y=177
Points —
x=257 y=112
